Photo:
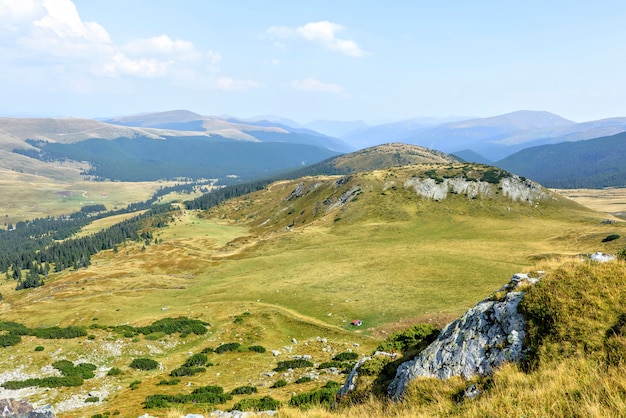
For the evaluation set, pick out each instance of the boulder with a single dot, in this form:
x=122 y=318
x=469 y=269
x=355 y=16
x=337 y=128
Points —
x=486 y=336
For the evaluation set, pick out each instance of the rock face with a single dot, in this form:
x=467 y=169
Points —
x=486 y=336
x=23 y=409
x=514 y=187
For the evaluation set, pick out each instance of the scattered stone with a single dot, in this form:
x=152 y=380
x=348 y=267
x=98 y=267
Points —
x=276 y=353
x=471 y=392
x=601 y=257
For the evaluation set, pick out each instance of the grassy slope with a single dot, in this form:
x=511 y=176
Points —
x=389 y=258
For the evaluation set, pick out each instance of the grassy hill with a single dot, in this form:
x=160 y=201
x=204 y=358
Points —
x=288 y=268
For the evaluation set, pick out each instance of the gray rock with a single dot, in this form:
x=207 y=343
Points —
x=601 y=257
x=23 y=409
x=486 y=336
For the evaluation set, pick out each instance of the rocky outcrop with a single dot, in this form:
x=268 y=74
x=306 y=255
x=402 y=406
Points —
x=514 y=187
x=23 y=409
x=486 y=336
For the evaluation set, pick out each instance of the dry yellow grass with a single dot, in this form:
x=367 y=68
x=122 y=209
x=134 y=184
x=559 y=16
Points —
x=609 y=200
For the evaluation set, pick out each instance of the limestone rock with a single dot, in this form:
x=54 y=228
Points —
x=23 y=409
x=486 y=336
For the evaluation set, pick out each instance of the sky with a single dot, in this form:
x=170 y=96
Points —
x=310 y=60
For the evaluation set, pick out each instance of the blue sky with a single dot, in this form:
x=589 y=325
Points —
x=308 y=60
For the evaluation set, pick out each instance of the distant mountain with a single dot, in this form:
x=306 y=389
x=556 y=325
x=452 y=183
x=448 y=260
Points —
x=389 y=132
x=207 y=147
x=273 y=129
x=592 y=163
x=492 y=138
x=337 y=129
x=472 y=157
x=480 y=135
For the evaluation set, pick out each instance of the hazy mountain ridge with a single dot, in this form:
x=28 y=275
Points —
x=592 y=163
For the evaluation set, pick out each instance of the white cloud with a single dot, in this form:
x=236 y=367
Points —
x=312 y=84
x=43 y=36
x=62 y=18
x=142 y=67
x=232 y=84
x=323 y=33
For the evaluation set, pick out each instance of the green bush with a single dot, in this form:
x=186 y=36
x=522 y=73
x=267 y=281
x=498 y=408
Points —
x=181 y=325
x=207 y=350
x=265 y=403
x=39 y=348
x=292 y=364
x=67 y=368
x=114 y=371
x=227 y=347
x=55 y=333
x=170 y=382
x=92 y=399
x=46 y=382
x=196 y=360
x=279 y=383
x=143 y=364
x=611 y=237
x=417 y=336
x=202 y=395
x=243 y=390
x=134 y=384
x=8 y=340
x=303 y=379
x=374 y=366
x=186 y=371
x=257 y=349
x=346 y=356
x=321 y=397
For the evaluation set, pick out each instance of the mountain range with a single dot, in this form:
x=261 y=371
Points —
x=181 y=143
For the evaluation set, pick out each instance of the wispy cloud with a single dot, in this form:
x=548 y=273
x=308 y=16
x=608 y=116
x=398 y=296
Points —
x=323 y=33
x=312 y=84
x=232 y=84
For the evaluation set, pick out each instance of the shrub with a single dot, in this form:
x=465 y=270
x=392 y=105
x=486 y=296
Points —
x=417 y=336
x=321 y=397
x=196 y=360
x=257 y=349
x=374 y=366
x=181 y=324
x=143 y=364
x=39 y=348
x=292 y=364
x=92 y=399
x=54 y=333
x=279 y=383
x=207 y=350
x=134 y=384
x=114 y=371
x=347 y=356
x=227 y=347
x=303 y=379
x=170 y=382
x=243 y=390
x=611 y=237
x=7 y=340
x=331 y=364
x=67 y=368
x=265 y=403
x=186 y=371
